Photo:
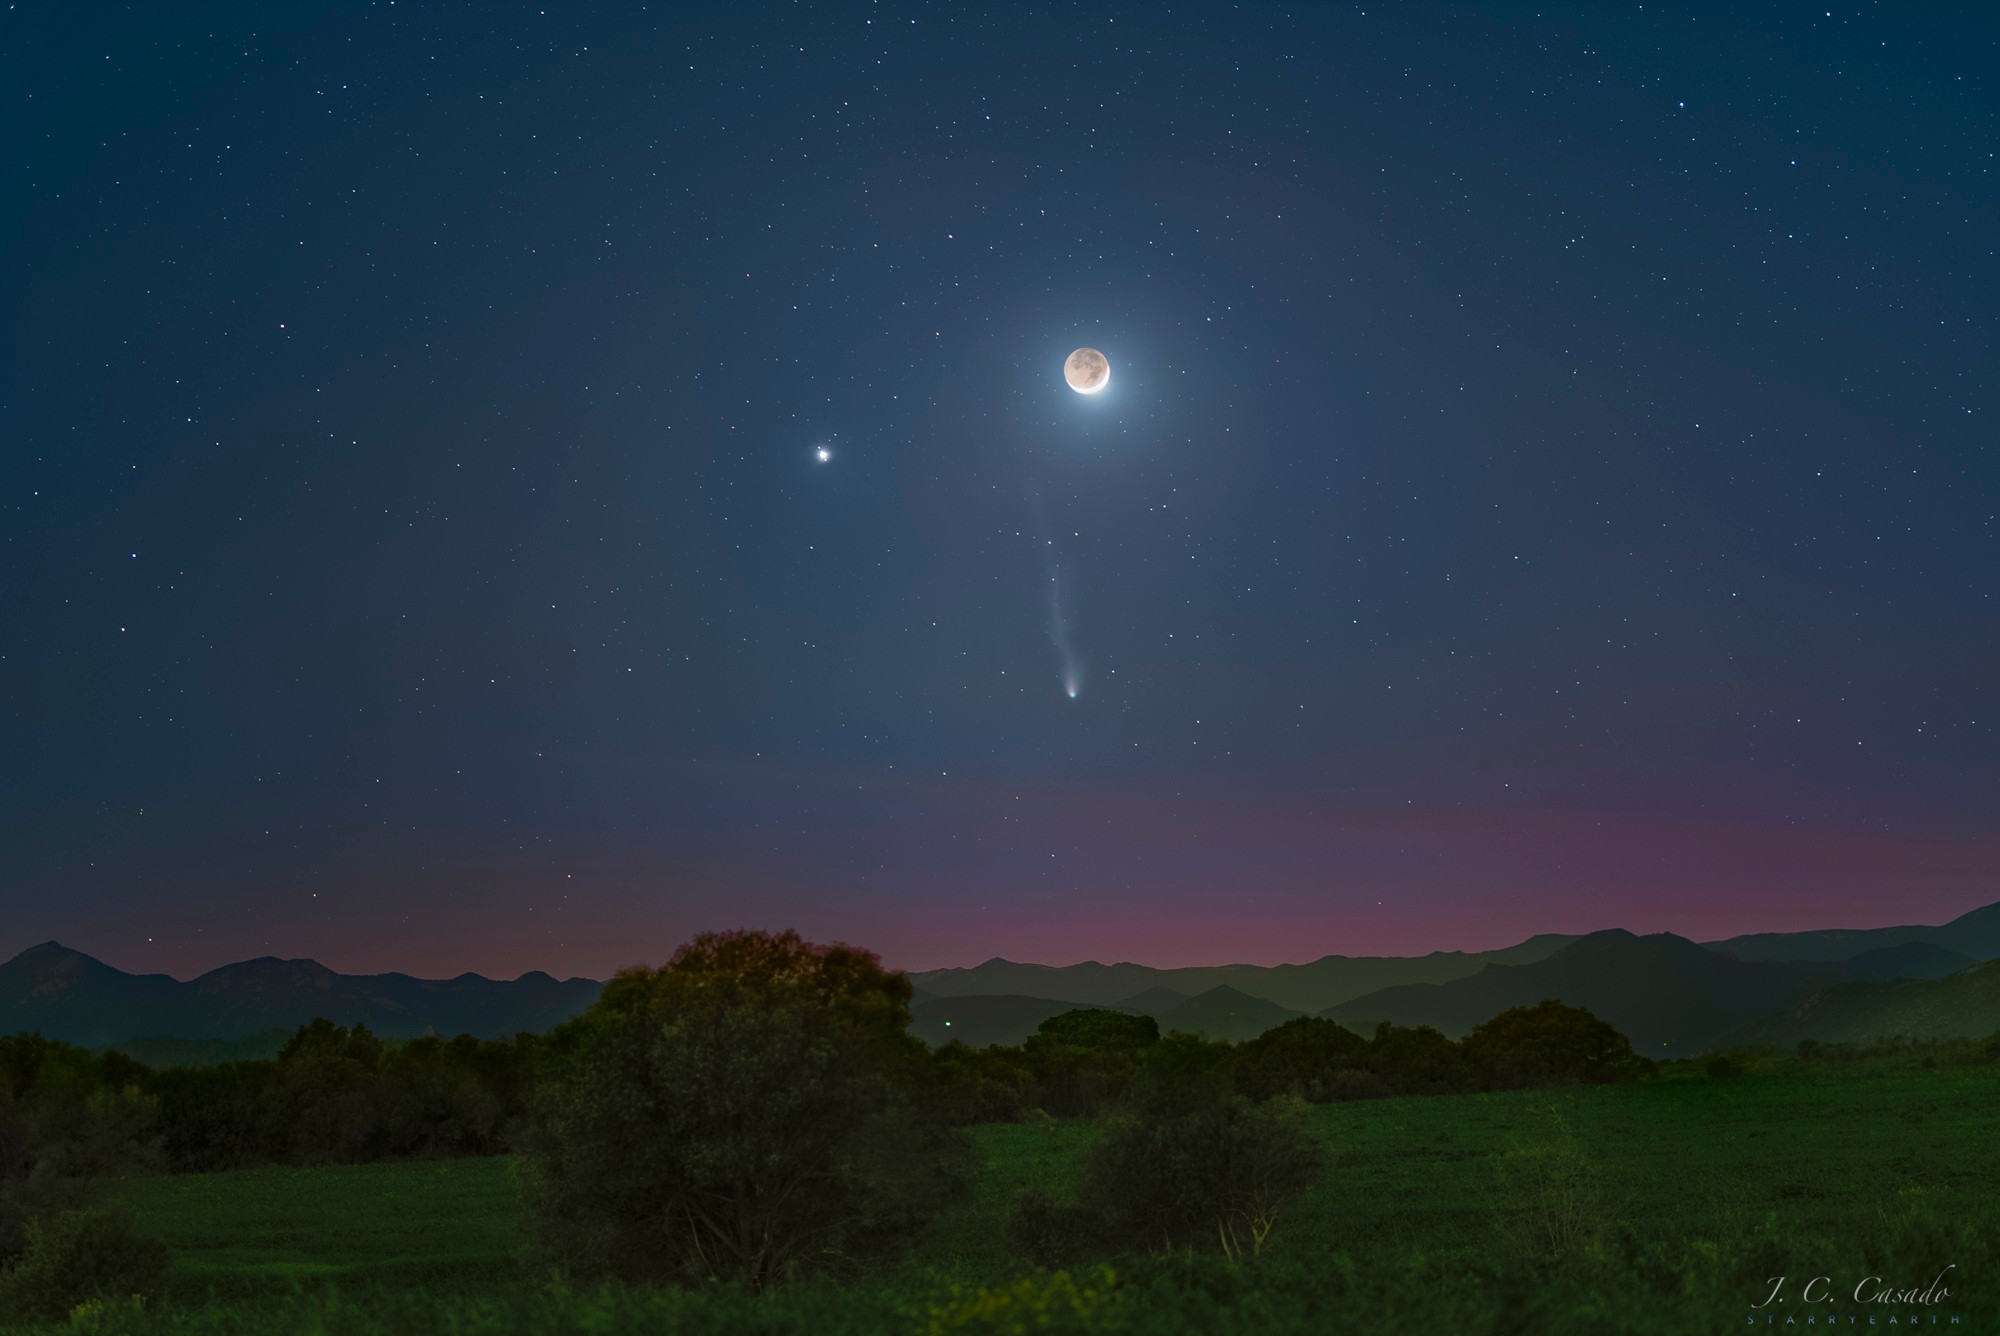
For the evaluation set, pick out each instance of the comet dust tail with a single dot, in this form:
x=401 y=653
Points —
x=1087 y=371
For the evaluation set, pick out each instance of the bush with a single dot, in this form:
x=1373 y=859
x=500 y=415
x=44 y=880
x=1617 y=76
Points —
x=1061 y=1302
x=76 y=1257
x=989 y=1085
x=1551 y=1193
x=1353 y=1083
x=1053 y=1234
x=751 y=1111
x=1197 y=1166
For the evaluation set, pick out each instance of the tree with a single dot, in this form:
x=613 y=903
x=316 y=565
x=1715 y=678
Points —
x=1417 y=1060
x=988 y=1085
x=1181 y=1058
x=1099 y=1029
x=1550 y=1042
x=1299 y=1057
x=330 y=1101
x=1084 y=1059
x=751 y=1111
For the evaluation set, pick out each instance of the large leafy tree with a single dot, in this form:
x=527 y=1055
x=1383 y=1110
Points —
x=1084 y=1059
x=1550 y=1042
x=1299 y=1057
x=752 y=1110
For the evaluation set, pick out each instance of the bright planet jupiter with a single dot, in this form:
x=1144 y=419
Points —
x=1087 y=371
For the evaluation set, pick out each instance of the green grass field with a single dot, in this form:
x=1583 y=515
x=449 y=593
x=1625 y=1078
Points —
x=1686 y=1192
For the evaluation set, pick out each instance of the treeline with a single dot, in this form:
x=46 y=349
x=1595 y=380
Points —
x=332 y=1095
x=343 y=1095
x=1082 y=1062
x=1951 y=1050
x=72 y=1121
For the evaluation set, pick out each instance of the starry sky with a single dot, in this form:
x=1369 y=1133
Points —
x=1546 y=481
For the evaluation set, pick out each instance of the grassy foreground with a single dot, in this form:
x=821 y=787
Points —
x=1659 y=1207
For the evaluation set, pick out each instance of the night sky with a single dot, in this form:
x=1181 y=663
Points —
x=1546 y=482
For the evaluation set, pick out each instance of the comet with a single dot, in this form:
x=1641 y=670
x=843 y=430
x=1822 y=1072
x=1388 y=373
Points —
x=1058 y=612
x=1058 y=624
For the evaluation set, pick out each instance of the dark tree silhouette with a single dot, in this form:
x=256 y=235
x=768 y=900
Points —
x=1299 y=1057
x=1550 y=1042
x=751 y=1111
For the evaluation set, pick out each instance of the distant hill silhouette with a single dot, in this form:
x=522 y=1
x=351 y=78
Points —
x=1154 y=1002
x=1009 y=1018
x=1911 y=960
x=64 y=994
x=1671 y=997
x=1302 y=988
x=1965 y=1005
x=1226 y=1013
x=1975 y=934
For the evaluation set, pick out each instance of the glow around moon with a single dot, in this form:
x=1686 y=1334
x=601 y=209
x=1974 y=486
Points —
x=1087 y=371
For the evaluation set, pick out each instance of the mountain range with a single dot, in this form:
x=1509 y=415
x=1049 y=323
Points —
x=1302 y=988
x=1975 y=934
x=1670 y=995
x=1856 y=1011
x=64 y=994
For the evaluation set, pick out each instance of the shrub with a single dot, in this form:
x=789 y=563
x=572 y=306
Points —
x=989 y=1085
x=1053 y=1234
x=76 y=1257
x=750 y=1111
x=1721 y=1067
x=1061 y=1302
x=1353 y=1083
x=1551 y=1193
x=1195 y=1165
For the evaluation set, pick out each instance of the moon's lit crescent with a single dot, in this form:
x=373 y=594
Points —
x=1087 y=371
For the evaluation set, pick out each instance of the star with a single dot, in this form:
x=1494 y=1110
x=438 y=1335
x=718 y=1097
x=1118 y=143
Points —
x=822 y=454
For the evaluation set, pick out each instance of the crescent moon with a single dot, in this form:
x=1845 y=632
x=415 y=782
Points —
x=1087 y=371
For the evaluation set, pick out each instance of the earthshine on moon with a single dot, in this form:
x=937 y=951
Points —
x=1087 y=371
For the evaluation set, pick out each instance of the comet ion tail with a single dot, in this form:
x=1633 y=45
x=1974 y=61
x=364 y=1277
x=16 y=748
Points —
x=1086 y=371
